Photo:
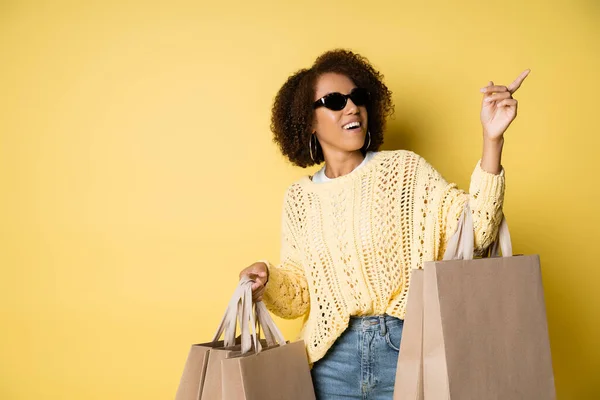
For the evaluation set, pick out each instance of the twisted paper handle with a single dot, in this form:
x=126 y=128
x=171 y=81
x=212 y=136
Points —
x=461 y=244
x=251 y=318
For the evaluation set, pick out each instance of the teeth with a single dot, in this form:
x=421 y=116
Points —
x=351 y=125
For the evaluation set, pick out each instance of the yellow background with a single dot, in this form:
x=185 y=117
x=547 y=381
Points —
x=138 y=175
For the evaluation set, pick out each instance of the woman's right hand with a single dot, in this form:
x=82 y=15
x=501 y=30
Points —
x=259 y=273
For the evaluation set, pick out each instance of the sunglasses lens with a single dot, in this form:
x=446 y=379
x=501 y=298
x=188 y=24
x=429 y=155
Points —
x=335 y=101
x=359 y=96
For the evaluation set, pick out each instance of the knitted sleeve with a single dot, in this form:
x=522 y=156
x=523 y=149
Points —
x=286 y=292
x=485 y=197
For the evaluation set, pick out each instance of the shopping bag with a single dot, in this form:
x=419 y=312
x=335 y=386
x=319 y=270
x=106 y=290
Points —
x=279 y=371
x=201 y=377
x=483 y=326
x=205 y=377
x=409 y=370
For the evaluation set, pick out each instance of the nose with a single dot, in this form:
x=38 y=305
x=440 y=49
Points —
x=351 y=108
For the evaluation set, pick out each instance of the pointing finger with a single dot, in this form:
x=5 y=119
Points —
x=517 y=82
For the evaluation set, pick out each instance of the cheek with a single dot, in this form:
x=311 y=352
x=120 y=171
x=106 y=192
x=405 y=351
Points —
x=334 y=118
x=328 y=120
x=365 y=113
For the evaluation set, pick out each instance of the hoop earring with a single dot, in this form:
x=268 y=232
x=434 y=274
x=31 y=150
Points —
x=368 y=134
x=310 y=146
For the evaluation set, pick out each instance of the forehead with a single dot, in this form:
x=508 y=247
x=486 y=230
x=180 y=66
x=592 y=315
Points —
x=333 y=82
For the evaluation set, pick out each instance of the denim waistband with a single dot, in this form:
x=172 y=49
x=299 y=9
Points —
x=372 y=322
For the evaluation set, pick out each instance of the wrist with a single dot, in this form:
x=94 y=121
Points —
x=498 y=142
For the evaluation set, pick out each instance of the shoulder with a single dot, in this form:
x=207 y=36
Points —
x=401 y=158
x=294 y=192
x=399 y=153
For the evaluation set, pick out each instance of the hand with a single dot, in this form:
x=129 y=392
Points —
x=259 y=273
x=498 y=108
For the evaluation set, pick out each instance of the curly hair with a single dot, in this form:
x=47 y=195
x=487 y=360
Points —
x=292 y=112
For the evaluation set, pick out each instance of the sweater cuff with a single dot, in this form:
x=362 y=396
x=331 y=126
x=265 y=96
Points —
x=487 y=184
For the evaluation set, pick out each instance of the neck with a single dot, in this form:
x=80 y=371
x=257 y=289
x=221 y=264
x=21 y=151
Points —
x=342 y=163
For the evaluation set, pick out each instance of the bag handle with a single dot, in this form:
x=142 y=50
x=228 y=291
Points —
x=503 y=242
x=251 y=317
x=237 y=309
x=461 y=246
x=272 y=334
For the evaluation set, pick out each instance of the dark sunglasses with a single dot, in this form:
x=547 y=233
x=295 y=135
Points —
x=337 y=101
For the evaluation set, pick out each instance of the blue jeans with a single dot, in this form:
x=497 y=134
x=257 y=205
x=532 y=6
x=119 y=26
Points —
x=361 y=364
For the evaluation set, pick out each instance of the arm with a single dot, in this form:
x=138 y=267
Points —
x=486 y=192
x=286 y=292
x=485 y=197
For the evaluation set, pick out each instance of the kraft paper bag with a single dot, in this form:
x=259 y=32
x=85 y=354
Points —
x=192 y=379
x=201 y=377
x=280 y=371
x=246 y=366
x=483 y=324
x=409 y=372
x=202 y=372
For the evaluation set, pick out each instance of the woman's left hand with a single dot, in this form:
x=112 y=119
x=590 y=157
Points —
x=498 y=108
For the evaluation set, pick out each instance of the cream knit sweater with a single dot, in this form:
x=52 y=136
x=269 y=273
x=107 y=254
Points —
x=348 y=244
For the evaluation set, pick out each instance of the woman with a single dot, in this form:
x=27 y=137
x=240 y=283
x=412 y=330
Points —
x=352 y=232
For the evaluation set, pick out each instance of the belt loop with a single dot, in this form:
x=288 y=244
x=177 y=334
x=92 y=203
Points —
x=382 y=326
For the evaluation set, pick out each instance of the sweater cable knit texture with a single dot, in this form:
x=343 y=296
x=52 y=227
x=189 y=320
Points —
x=348 y=245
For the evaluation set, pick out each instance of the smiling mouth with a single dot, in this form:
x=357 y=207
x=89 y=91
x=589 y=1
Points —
x=352 y=126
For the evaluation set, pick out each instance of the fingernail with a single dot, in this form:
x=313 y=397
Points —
x=482 y=90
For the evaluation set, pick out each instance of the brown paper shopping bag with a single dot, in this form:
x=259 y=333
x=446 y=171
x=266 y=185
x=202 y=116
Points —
x=201 y=377
x=409 y=372
x=194 y=372
x=280 y=371
x=483 y=326
x=274 y=374
x=239 y=368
